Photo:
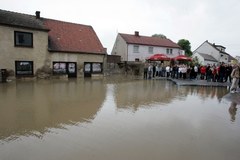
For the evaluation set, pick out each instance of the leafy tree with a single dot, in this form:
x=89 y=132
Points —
x=160 y=36
x=195 y=61
x=186 y=46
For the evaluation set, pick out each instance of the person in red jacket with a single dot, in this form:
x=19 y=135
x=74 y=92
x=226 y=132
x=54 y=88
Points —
x=203 y=72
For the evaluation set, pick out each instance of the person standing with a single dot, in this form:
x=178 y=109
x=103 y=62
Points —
x=145 y=71
x=153 y=70
x=168 y=70
x=228 y=73
x=203 y=72
x=195 y=71
x=235 y=78
x=222 y=71
x=150 y=70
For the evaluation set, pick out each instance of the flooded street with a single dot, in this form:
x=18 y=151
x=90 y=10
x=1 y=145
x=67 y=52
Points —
x=97 y=119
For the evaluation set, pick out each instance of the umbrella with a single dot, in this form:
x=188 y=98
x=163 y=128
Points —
x=182 y=58
x=159 y=57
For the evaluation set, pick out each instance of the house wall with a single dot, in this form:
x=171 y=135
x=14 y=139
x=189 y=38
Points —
x=202 y=61
x=120 y=48
x=200 y=58
x=76 y=57
x=9 y=53
x=143 y=53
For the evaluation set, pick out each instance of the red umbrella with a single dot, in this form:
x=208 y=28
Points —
x=182 y=58
x=159 y=57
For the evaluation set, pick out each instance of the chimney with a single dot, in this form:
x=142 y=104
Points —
x=136 y=33
x=37 y=14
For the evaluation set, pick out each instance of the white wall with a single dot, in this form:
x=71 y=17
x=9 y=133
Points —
x=144 y=53
x=200 y=58
x=202 y=61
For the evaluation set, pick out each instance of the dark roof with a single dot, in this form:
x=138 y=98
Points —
x=230 y=58
x=207 y=57
x=71 y=37
x=150 y=41
x=21 y=20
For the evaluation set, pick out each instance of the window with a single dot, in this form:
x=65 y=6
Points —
x=59 y=67
x=135 y=49
x=150 y=50
x=24 y=68
x=169 y=51
x=23 y=39
x=93 y=67
x=96 y=67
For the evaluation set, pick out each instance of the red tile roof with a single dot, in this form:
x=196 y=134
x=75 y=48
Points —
x=71 y=37
x=150 y=41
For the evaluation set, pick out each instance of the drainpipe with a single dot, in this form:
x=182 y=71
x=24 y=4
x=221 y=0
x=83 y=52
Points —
x=127 y=51
x=105 y=62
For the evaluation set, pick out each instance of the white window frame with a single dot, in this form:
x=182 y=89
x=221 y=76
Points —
x=169 y=51
x=135 y=49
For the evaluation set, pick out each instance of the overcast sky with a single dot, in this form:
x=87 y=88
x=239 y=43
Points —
x=217 y=21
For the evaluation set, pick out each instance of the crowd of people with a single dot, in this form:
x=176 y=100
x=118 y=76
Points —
x=211 y=73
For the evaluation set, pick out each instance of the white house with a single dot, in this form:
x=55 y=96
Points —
x=205 y=59
x=138 y=48
x=208 y=53
x=238 y=58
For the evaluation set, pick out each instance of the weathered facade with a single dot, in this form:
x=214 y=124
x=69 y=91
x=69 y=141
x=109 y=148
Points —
x=30 y=45
x=11 y=54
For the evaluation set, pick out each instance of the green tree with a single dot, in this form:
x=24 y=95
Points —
x=186 y=46
x=160 y=36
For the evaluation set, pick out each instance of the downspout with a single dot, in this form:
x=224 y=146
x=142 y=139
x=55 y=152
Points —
x=105 y=62
x=127 y=51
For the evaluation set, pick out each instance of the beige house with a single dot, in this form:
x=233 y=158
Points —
x=30 y=45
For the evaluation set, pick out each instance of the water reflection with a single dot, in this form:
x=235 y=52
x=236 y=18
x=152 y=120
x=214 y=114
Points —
x=234 y=99
x=117 y=119
x=30 y=107
x=233 y=110
x=144 y=93
x=133 y=95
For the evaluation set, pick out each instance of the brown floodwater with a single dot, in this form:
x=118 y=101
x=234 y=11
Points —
x=116 y=119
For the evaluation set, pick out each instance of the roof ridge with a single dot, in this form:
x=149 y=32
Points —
x=43 y=18
x=148 y=40
x=17 y=12
x=146 y=36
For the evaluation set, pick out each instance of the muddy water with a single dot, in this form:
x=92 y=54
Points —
x=123 y=119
